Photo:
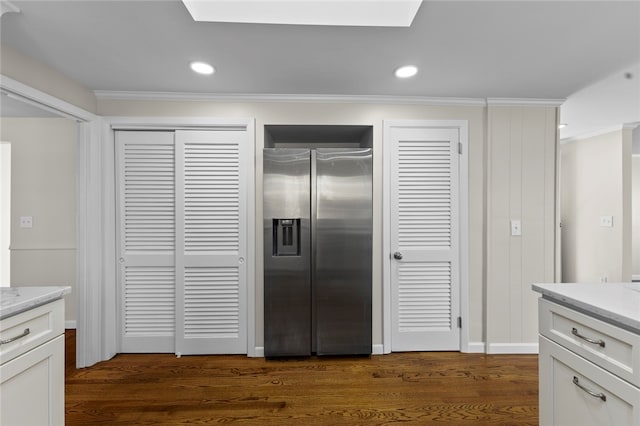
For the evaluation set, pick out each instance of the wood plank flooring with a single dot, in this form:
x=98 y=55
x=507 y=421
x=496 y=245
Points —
x=409 y=388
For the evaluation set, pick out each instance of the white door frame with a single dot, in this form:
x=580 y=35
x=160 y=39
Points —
x=88 y=222
x=463 y=128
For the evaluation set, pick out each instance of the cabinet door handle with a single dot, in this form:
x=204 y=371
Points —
x=13 y=339
x=589 y=391
x=574 y=331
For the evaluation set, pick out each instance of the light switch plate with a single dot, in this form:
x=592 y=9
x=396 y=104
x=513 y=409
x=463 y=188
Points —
x=516 y=228
x=606 y=221
x=26 y=222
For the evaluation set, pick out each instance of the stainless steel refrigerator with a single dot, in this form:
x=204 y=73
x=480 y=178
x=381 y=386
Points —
x=317 y=251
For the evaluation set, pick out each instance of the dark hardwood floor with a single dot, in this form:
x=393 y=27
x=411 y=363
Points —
x=411 y=388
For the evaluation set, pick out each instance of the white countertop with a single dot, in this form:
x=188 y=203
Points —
x=615 y=302
x=14 y=300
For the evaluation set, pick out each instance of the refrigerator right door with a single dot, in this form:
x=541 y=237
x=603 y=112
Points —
x=342 y=251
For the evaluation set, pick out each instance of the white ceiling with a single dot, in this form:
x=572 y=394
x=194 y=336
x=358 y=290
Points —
x=476 y=49
x=603 y=106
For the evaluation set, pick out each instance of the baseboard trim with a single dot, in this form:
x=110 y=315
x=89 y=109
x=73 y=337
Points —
x=377 y=349
x=475 y=348
x=512 y=348
x=70 y=324
x=258 y=352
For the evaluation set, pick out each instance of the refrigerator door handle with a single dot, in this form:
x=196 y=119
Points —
x=314 y=248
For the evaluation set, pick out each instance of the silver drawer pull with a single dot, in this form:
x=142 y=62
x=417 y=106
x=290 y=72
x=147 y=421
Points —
x=574 y=331
x=590 y=392
x=13 y=339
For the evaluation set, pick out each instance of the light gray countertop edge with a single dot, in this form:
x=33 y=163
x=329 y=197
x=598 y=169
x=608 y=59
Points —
x=618 y=303
x=28 y=298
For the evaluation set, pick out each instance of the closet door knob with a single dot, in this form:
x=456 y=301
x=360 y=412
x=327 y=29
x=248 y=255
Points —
x=397 y=255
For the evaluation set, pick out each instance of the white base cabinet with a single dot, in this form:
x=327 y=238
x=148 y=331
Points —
x=32 y=370
x=587 y=370
x=574 y=391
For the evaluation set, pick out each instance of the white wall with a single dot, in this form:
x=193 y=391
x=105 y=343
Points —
x=520 y=186
x=533 y=184
x=635 y=250
x=43 y=186
x=5 y=212
x=635 y=205
x=355 y=114
x=595 y=182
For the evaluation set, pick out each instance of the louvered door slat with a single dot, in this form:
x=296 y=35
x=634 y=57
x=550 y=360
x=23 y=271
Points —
x=424 y=229
x=211 y=187
x=146 y=247
x=211 y=242
x=212 y=304
x=425 y=296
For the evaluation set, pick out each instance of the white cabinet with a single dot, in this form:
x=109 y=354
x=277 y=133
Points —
x=32 y=370
x=588 y=370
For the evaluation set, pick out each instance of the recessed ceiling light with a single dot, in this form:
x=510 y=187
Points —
x=202 y=68
x=406 y=71
x=562 y=125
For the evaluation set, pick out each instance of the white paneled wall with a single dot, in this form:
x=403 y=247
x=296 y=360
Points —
x=521 y=170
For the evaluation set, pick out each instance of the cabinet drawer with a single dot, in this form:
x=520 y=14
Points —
x=23 y=332
x=574 y=391
x=32 y=387
x=606 y=345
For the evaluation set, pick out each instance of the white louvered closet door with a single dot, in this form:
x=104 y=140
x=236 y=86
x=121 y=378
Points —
x=424 y=233
x=211 y=248
x=146 y=243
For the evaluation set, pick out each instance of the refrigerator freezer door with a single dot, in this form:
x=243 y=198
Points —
x=287 y=252
x=343 y=251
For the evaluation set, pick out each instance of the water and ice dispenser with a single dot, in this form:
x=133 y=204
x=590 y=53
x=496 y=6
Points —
x=286 y=237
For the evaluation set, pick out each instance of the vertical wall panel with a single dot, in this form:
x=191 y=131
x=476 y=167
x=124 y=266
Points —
x=535 y=213
x=516 y=122
x=498 y=277
x=521 y=186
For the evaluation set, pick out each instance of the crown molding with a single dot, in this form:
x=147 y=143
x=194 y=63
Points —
x=8 y=7
x=347 y=99
x=339 y=99
x=511 y=102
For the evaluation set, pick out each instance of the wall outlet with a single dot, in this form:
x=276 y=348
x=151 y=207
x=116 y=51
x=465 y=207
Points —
x=606 y=221
x=516 y=228
x=26 y=222
x=603 y=280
